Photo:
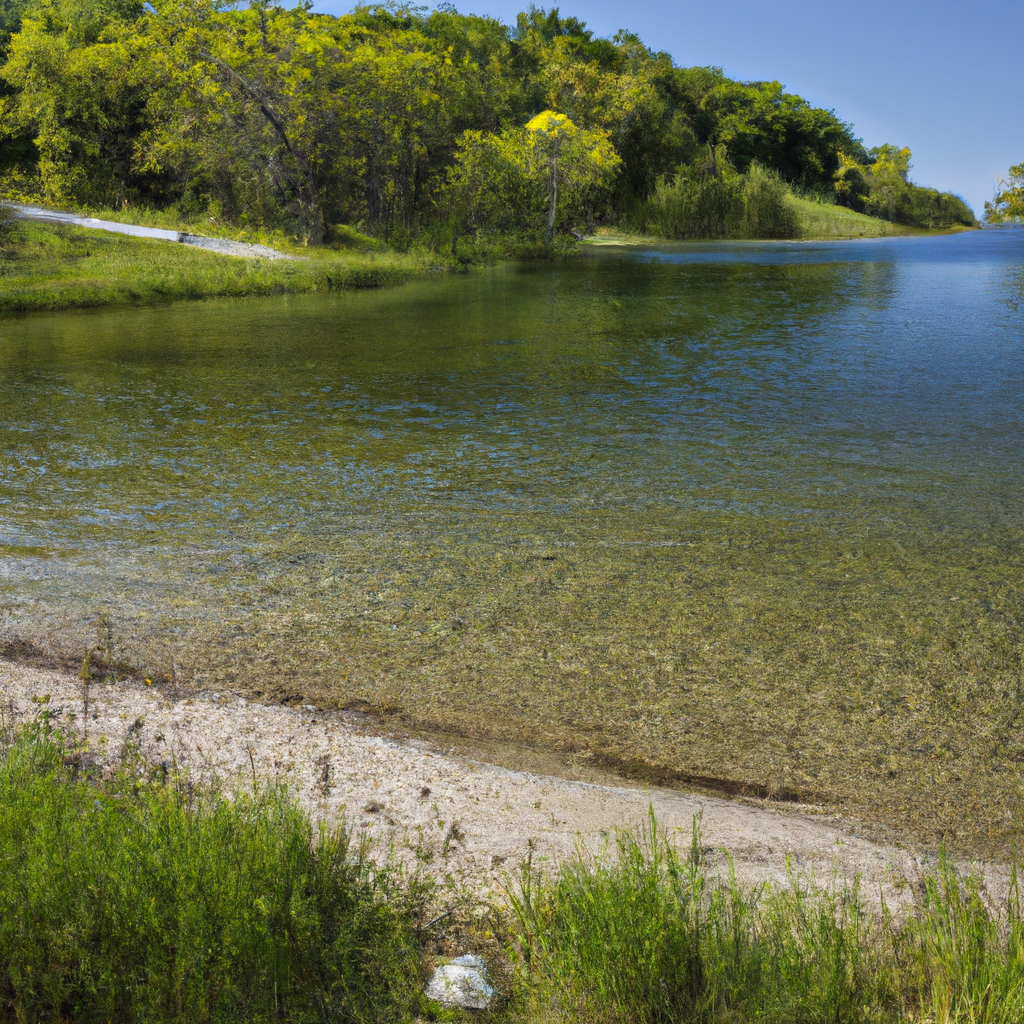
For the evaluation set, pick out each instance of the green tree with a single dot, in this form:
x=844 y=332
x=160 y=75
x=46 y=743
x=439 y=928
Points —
x=852 y=186
x=81 y=84
x=889 y=182
x=10 y=21
x=1008 y=202
x=548 y=174
x=391 y=115
x=319 y=118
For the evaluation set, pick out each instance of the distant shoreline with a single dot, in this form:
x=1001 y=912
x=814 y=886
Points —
x=51 y=267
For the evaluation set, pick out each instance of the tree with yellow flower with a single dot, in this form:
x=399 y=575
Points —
x=547 y=175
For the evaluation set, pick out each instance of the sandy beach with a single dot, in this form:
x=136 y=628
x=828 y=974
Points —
x=470 y=823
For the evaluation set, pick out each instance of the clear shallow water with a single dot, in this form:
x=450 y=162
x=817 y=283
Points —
x=743 y=511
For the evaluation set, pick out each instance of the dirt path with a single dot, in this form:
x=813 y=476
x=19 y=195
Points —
x=222 y=245
x=473 y=821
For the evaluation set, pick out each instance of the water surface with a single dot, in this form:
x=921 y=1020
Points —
x=749 y=512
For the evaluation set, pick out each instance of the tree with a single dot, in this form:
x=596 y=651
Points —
x=889 y=181
x=547 y=174
x=390 y=115
x=852 y=186
x=10 y=20
x=319 y=118
x=1008 y=202
x=81 y=86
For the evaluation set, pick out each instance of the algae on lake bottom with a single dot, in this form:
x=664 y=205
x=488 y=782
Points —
x=741 y=513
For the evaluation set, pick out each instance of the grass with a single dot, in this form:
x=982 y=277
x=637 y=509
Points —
x=816 y=222
x=130 y=895
x=54 y=267
x=137 y=897
x=650 y=936
x=824 y=221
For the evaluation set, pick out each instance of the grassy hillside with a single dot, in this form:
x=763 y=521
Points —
x=819 y=220
x=814 y=222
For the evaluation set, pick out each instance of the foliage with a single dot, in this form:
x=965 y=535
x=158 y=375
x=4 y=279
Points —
x=767 y=207
x=879 y=184
x=646 y=935
x=10 y=20
x=81 y=85
x=385 y=118
x=548 y=173
x=140 y=897
x=852 y=184
x=1008 y=202
x=697 y=202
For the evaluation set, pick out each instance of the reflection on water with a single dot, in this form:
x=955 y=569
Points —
x=742 y=510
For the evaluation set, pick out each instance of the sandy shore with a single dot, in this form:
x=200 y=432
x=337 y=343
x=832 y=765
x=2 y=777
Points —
x=470 y=822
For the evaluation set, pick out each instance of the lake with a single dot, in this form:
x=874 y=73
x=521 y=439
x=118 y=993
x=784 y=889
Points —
x=749 y=515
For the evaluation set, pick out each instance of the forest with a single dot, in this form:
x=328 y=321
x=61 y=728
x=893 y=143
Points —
x=414 y=125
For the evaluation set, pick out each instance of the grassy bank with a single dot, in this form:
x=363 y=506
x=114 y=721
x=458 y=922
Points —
x=130 y=895
x=812 y=222
x=825 y=221
x=53 y=267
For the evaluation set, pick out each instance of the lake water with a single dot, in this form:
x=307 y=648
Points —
x=738 y=512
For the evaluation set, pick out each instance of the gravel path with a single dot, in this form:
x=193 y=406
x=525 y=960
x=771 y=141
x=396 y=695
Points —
x=473 y=821
x=221 y=245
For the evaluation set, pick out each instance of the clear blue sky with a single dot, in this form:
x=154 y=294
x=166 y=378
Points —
x=944 y=78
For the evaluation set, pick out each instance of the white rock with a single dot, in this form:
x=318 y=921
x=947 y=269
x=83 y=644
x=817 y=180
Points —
x=461 y=982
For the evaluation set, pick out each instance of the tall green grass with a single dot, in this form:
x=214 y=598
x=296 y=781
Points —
x=132 y=898
x=825 y=220
x=650 y=936
x=129 y=895
x=697 y=204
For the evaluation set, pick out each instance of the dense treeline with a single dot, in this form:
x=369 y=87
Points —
x=405 y=123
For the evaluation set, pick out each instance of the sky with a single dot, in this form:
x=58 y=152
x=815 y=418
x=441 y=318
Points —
x=944 y=78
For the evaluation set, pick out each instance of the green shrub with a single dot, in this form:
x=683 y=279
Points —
x=768 y=207
x=702 y=201
x=695 y=205
x=138 y=899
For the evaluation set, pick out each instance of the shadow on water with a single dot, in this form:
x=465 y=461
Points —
x=746 y=513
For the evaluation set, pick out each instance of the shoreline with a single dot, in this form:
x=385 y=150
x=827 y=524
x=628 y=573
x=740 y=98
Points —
x=466 y=821
x=62 y=265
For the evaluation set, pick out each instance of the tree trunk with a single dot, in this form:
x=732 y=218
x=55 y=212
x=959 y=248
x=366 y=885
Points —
x=553 y=207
